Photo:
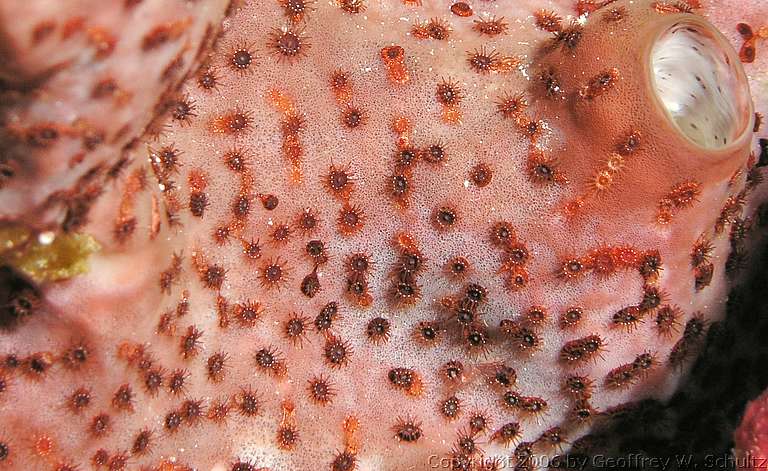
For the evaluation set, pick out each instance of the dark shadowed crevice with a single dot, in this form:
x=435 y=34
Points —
x=18 y=299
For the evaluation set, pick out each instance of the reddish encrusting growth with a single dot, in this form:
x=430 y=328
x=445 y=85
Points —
x=360 y=234
x=394 y=60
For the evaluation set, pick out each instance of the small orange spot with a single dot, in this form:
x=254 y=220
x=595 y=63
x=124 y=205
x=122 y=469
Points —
x=615 y=163
x=222 y=311
x=403 y=127
x=102 y=40
x=394 y=60
x=505 y=64
x=197 y=179
x=401 y=124
x=292 y=125
x=602 y=261
x=280 y=101
x=406 y=243
x=451 y=115
x=350 y=426
x=44 y=446
x=461 y=9
x=574 y=207
x=627 y=257
x=341 y=86
x=130 y=352
x=602 y=181
x=72 y=26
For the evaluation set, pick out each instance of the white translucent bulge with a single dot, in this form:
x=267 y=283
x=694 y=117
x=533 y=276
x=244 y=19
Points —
x=698 y=85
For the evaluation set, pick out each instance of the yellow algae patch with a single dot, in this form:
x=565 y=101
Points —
x=47 y=257
x=12 y=238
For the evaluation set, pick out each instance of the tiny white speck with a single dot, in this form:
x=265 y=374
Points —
x=46 y=238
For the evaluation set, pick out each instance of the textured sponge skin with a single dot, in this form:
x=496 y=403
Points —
x=81 y=80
